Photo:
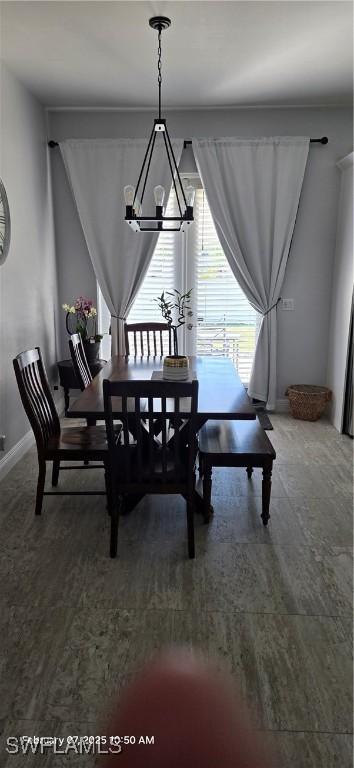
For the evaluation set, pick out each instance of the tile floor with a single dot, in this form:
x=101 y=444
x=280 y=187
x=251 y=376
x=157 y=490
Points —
x=273 y=605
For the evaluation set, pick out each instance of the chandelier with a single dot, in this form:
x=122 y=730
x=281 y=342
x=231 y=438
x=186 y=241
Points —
x=184 y=197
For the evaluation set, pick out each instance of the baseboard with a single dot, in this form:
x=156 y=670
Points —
x=282 y=406
x=15 y=453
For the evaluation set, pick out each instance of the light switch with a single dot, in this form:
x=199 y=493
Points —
x=287 y=304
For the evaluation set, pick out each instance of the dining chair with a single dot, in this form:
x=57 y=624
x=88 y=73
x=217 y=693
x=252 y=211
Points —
x=81 y=366
x=77 y=444
x=148 y=339
x=143 y=464
x=79 y=361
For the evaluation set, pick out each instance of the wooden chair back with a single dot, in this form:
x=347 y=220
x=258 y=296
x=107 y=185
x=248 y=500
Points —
x=80 y=364
x=148 y=339
x=141 y=458
x=36 y=396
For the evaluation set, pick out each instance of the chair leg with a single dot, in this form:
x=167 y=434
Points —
x=115 y=512
x=266 y=489
x=249 y=471
x=207 y=483
x=55 y=472
x=190 y=527
x=108 y=483
x=40 y=487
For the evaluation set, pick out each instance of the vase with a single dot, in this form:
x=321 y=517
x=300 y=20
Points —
x=175 y=368
x=92 y=351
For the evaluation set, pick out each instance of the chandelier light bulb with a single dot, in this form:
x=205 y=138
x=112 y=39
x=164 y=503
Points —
x=159 y=195
x=190 y=195
x=129 y=192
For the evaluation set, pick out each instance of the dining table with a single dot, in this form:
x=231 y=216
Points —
x=221 y=392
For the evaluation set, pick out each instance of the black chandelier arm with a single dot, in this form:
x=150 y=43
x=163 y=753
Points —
x=148 y=167
x=172 y=174
x=176 y=167
x=143 y=165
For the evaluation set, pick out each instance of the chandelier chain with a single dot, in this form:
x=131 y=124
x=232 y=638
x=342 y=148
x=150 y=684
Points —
x=159 y=67
x=203 y=224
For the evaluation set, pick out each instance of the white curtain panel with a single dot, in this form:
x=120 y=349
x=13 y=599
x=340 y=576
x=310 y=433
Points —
x=98 y=171
x=253 y=189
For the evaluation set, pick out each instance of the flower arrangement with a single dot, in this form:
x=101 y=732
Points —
x=86 y=318
x=175 y=308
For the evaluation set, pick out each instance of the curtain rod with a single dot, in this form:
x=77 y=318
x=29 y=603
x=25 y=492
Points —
x=186 y=142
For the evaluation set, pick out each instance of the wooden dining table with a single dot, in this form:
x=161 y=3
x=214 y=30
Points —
x=221 y=392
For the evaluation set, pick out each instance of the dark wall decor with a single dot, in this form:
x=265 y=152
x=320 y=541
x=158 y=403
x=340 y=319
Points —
x=5 y=224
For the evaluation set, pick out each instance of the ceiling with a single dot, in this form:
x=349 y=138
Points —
x=104 y=54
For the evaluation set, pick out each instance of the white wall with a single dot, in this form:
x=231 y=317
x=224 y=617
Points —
x=342 y=282
x=303 y=334
x=28 y=277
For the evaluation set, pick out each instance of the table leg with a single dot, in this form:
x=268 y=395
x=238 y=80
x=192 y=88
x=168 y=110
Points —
x=266 y=489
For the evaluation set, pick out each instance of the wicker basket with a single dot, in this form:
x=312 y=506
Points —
x=308 y=402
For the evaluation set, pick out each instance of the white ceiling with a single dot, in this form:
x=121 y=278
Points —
x=103 y=54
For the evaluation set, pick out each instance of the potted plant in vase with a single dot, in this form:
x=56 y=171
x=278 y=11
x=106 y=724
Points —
x=81 y=317
x=175 y=308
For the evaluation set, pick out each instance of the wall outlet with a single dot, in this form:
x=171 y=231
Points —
x=287 y=304
x=2 y=442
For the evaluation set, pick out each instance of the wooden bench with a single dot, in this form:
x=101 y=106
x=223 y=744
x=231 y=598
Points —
x=235 y=444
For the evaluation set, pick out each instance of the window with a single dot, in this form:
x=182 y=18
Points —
x=224 y=324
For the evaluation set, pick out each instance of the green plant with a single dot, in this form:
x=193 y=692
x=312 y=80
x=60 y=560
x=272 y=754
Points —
x=175 y=310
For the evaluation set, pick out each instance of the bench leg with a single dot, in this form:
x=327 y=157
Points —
x=266 y=489
x=249 y=471
x=207 y=470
